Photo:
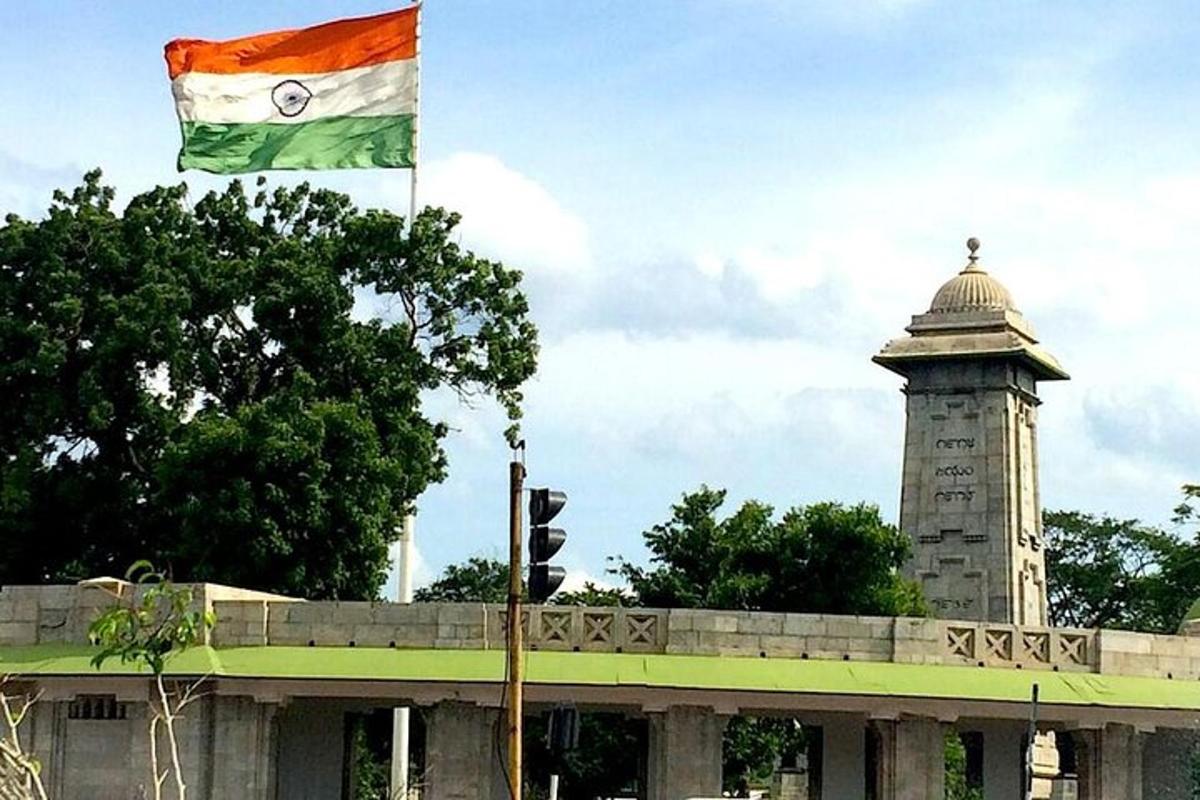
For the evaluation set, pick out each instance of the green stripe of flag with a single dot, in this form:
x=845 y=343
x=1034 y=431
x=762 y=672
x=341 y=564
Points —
x=325 y=143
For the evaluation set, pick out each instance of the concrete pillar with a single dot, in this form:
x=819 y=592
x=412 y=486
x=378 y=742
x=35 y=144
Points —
x=311 y=735
x=685 y=753
x=1003 y=760
x=843 y=758
x=245 y=748
x=1119 y=764
x=461 y=761
x=912 y=759
x=1167 y=764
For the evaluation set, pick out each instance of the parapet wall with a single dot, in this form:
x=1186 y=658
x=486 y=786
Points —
x=60 y=614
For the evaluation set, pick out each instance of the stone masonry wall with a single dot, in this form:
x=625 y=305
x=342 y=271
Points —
x=60 y=614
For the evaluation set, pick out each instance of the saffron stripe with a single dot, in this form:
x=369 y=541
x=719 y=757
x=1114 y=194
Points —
x=343 y=44
x=325 y=143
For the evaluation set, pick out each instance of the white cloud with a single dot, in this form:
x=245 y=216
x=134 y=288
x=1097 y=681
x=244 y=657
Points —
x=507 y=215
x=578 y=578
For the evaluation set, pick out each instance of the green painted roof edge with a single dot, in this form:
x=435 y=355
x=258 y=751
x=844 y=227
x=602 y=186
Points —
x=634 y=670
x=1193 y=612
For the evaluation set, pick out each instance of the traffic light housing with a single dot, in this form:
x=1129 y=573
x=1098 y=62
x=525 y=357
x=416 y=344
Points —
x=544 y=542
x=562 y=731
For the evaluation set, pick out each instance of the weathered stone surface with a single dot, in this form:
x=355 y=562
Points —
x=685 y=753
x=970 y=498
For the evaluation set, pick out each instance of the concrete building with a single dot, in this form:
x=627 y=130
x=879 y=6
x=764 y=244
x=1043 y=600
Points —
x=282 y=678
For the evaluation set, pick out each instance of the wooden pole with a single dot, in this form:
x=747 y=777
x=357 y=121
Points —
x=516 y=480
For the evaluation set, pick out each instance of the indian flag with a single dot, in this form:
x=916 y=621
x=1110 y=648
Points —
x=338 y=95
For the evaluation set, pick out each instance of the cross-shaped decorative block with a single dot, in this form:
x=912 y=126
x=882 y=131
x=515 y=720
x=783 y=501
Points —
x=556 y=626
x=1037 y=646
x=1073 y=647
x=597 y=628
x=998 y=643
x=961 y=642
x=642 y=628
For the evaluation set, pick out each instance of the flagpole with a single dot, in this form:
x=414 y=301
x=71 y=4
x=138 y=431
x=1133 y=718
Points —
x=398 y=783
x=416 y=130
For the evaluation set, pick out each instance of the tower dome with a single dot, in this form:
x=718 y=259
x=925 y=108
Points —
x=971 y=290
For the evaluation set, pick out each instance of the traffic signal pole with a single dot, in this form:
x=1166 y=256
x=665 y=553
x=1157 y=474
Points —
x=516 y=481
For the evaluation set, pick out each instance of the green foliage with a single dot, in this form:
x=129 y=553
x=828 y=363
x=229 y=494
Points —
x=751 y=747
x=1110 y=573
x=372 y=766
x=479 y=580
x=159 y=620
x=1186 y=512
x=485 y=580
x=593 y=595
x=604 y=765
x=824 y=558
x=209 y=385
x=956 y=771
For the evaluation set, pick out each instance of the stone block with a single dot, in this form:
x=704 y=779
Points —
x=396 y=614
x=804 y=625
x=416 y=635
x=677 y=620
x=681 y=642
x=1168 y=646
x=1125 y=642
x=24 y=610
x=761 y=623
x=301 y=612
x=373 y=635
x=460 y=614
x=289 y=633
x=18 y=633
x=846 y=627
x=786 y=646
x=720 y=642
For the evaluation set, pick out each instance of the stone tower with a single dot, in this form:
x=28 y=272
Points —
x=970 y=498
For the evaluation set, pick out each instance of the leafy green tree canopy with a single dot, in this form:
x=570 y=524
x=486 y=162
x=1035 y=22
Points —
x=1103 y=572
x=478 y=580
x=485 y=580
x=207 y=387
x=823 y=558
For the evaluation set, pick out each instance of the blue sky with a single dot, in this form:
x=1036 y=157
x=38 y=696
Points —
x=723 y=209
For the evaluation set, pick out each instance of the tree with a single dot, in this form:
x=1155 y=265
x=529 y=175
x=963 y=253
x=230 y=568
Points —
x=825 y=558
x=593 y=595
x=20 y=771
x=159 y=621
x=1103 y=572
x=479 y=580
x=210 y=387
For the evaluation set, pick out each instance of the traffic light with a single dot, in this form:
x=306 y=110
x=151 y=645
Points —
x=544 y=542
x=562 y=732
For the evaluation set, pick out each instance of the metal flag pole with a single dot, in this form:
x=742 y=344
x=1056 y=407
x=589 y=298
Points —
x=400 y=716
x=416 y=128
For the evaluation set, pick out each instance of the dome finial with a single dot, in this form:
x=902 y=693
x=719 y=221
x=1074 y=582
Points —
x=973 y=246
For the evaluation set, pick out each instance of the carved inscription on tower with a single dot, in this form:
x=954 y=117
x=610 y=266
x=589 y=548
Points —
x=955 y=459
x=950 y=466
